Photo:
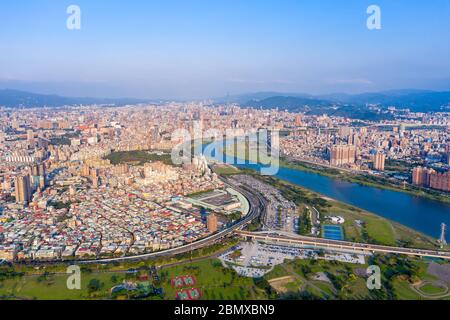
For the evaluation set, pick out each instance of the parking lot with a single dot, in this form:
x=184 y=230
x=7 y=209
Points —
x=257 y=259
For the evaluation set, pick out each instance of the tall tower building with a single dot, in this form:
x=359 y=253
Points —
x=85 y=171
x=30 y=135
x=298 y=120
x=6 y=185
x=38 y=175
x=379 y=160
x=419 y=176
x=422 y=176
x=440 y=181
x=42 y=182
x=211 y=223
x=42 y=169
x=22 y=187
x=342 y=154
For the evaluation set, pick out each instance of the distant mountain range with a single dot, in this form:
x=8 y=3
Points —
x=415 y=100
x=22 y=99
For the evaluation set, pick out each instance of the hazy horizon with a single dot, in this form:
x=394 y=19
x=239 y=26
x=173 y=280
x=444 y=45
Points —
x=268 y=92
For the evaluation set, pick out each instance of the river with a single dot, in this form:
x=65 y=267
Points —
x=418 y=213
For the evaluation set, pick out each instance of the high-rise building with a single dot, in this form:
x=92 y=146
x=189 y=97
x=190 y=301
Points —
x=342 y=154
x=378 y=161
x=15 y=124
x=95 y=182
x=42 y=170
x=421 y=176
x=440 y=181
x=6 y=185
x=94 y=173
x=120 y=169
x=211 y=223
x=38 y=176
x=298 y=120
x=38 y=170
x=22 y=187
x=430 y=178
x=350 y=139
x=30 y=135
x=35 y=170
x=85 y=171
x=42 y=182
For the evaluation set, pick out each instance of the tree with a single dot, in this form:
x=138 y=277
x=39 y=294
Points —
x=94 y=285
x=306 y=270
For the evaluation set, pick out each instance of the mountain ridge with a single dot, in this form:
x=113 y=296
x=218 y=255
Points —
x=12 y=98
x=415 y=99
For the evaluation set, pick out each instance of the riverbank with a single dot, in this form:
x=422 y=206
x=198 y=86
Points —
x=364 y=179
x=341 y=174
x=360 y=225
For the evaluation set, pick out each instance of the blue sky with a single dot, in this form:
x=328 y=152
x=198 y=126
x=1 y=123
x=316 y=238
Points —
x=207 y=48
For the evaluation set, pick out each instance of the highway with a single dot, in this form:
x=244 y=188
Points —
x=274 y=236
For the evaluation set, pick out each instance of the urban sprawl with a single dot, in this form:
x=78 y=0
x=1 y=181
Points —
x=91 y=182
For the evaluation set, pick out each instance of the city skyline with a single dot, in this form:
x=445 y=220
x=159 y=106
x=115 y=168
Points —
x=176 y=50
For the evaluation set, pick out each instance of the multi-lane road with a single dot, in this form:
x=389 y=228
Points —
x=319 y=243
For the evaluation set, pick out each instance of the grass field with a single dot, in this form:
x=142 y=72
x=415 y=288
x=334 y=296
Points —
x=355 y=288
x=380 y=230
x=352 y=287
x=432 y=289
x=138 y=157
x=277 y=272
x=213 y=280
x=324 y=287
x=226 y=170
x=55 y=287
x=403 y=290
